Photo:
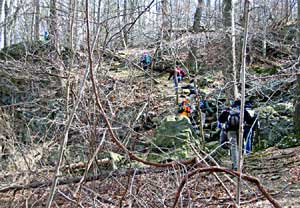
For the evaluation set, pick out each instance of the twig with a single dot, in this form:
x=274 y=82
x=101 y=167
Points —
x=217 y=177
x=68 y=198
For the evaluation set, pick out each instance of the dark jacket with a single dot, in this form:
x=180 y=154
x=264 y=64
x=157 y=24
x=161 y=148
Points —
x=223 y=118
x=191 y=86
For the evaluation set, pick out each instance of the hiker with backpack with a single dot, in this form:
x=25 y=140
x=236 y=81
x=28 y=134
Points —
x=204 y=110
x=178 y=72
x=185 y=109
x=191 y=87
x=146 y=60
x=230 y=120
x=192 y=90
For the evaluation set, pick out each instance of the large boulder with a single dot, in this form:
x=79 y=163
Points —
x=276 y=126
x=172 y=139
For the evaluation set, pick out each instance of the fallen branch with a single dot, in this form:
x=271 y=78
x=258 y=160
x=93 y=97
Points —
x=70 y=167
x=71 y=180
x=231 y=172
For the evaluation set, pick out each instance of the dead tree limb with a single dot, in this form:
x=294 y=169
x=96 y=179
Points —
x=214 y=169
x=71 y=180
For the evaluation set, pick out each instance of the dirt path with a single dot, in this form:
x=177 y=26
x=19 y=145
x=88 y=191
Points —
x=279 y=171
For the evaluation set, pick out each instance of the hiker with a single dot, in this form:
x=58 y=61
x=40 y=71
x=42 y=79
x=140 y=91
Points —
x=180 y=73
x=230 y=119
x=250 y=129
x=46 y=36
x=192 y=93
x=191 y=87
x=204 y=106
x=146 y=60
x=185 y=108
x=205 y=109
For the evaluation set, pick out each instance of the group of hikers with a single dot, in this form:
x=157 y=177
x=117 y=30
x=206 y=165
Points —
x=229 y=120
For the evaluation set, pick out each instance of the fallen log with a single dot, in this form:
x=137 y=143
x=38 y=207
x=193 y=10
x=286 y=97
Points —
x=70 y=167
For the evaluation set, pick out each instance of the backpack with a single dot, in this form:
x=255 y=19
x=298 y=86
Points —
x=233 y=120
x=147 y=59
x=183 y=72
x=184 y=107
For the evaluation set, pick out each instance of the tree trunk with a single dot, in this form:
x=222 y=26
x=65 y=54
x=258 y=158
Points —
x=286 y=10
x=216 y=13
x=196 y=29
x=72 y=4
x=98 y=19
x=265 y=21
x=125 y=35
x=235 y=88
x=53 y=24
x=5 y=23
x=164 y=28
x=208 y=13
x=1 y=6
x=227 y=8
x=165 y=21
x=243 y=81
x=228 y=68
x=37 y=20
x=297 y=97
x=120 y=21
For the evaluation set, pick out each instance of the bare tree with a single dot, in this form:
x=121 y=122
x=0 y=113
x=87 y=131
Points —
x=165 y=26
x=229 y=66
x=243 y=93
x=233 y=40
x=287 y=12
x=297 y=97
x=37 y=20
x=5 y=31
x=196 y=29
x=71 y=23
x=53 y=27
x=125 y=35
x=1 y=9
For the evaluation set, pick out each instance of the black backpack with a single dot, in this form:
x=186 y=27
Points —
x=233 y=121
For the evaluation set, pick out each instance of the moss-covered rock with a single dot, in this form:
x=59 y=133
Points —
x=284 y=108
x=276 y=124
x=172 y=139
x=22 y=49
x=289 y=141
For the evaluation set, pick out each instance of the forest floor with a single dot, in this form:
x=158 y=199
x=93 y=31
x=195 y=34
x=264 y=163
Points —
x=277 y=169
